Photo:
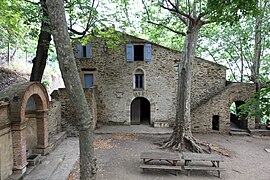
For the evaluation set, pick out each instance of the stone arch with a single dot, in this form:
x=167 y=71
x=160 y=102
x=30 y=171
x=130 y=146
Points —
x=19 y=96
x=240 y=93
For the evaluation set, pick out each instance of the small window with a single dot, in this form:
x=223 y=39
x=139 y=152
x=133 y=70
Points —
x=88 y=81
x=138 y=52
x=84 y=51
x=139 y=81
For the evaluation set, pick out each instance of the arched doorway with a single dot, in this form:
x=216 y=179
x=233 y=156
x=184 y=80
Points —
x=237 y=121
x=140 y=111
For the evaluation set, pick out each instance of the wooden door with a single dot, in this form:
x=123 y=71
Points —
x=136 y=112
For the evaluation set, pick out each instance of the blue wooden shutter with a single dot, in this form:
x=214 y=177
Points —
x=147 y=52
x=88 y=51
x=79 y=51
x=129 y=52
x=88 y=80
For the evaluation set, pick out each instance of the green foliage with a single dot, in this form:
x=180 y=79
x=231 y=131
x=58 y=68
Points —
x=46 y=83
x=260 y=99
x=230 y=11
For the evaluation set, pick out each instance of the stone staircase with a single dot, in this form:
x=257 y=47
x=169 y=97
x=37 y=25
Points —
x=203 y=101
x=236 y=131
x=239 y=133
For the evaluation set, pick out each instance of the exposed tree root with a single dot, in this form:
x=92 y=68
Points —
x=189 y=142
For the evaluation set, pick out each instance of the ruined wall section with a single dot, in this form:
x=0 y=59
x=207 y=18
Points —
x=68 y=116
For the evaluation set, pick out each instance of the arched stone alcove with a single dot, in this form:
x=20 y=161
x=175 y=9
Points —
x=25 y=98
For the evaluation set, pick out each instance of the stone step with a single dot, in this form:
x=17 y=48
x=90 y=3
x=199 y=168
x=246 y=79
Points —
x=260 y=132
x=239 y=133
x=56 y=140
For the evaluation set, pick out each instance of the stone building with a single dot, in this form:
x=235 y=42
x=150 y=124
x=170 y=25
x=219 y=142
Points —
x=136 y=82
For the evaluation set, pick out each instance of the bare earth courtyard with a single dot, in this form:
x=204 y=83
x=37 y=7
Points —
x=118 y=157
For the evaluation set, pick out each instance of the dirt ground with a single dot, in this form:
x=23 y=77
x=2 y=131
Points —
x=118 y=158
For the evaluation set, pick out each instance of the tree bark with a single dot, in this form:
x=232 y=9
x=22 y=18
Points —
x=182 y=135
x=44 y=39
x=255 y=70
x=74 y=88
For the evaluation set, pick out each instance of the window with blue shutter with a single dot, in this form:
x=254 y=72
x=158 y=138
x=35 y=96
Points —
x=88 y=80
x=88 y=51
x=84 y=51
x=129 y=52
x=79 y=51
x=138 y=52
x=147 y=52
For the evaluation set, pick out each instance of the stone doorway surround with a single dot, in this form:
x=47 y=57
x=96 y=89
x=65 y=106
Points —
x=18 y=96
x=140 y=111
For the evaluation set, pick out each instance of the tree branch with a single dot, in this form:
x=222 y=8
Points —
x=89 y=23
x=176 y=10
x=35 y=3
x=162 y=25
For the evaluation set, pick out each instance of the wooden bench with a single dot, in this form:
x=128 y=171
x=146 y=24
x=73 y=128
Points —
x=169 y=158
x=191 y=157
x=205 y=168
x=159 y=166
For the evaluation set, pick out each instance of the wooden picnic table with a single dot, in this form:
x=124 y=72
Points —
x=170 y=158
x=213 y=158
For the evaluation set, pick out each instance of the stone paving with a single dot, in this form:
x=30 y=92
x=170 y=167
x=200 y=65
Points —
x=58 y=164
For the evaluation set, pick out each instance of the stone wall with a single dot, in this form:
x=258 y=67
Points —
x=68 y=116
x=114 y=76
x=54 y=118
x=219 y=105
x=6 y=151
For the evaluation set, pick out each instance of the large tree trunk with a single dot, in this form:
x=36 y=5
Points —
x=255 y=70
x=182 y=135
x=44 y=39
x=74 y=87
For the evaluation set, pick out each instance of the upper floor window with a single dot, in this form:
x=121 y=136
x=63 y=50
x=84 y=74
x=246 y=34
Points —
x=138 y=52
x=84 y=51
x=139 y=79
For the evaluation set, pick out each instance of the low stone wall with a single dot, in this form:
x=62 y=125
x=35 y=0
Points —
x=54 y=118
x=219 y=105
x=68 y=116
x=6 y=151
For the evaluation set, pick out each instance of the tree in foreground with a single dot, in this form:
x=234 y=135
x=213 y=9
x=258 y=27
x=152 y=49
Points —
x=74 y=88
x=82 y=13
x=193 y=14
